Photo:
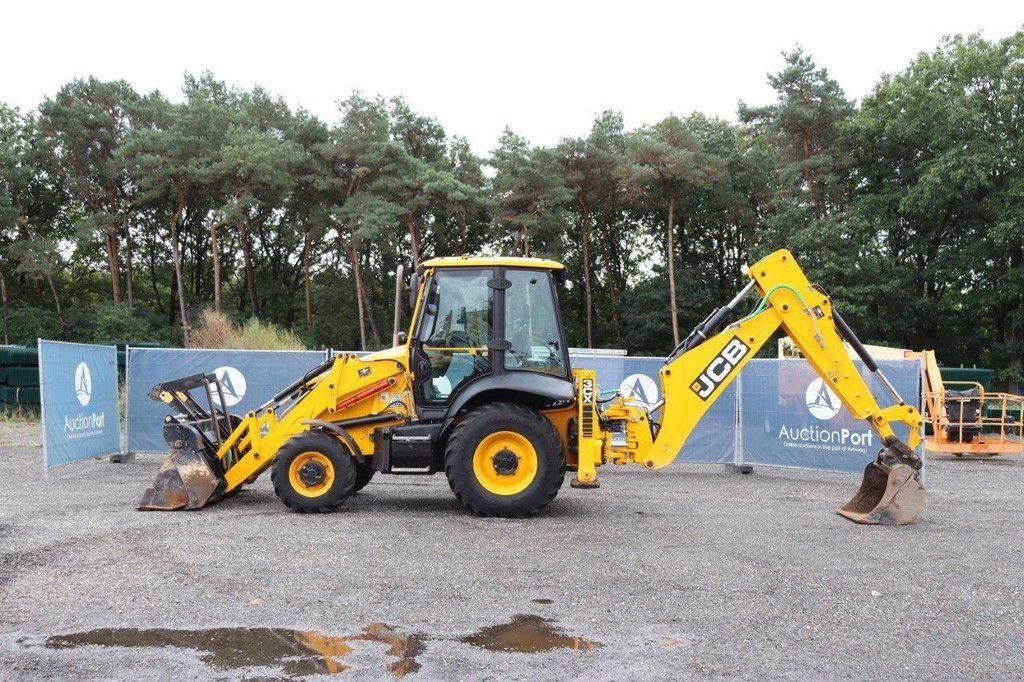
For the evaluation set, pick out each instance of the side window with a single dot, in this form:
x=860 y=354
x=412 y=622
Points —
x=455 y=330
x=531 y=324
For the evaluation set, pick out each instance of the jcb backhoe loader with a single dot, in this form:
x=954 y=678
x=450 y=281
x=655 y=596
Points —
x=481 y=389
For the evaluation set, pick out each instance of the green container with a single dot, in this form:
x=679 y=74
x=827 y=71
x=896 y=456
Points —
x=23 y=376
x=21 y=356
x=1012 y=415
x=976 y=374
x=29 y=396
x=3 y=375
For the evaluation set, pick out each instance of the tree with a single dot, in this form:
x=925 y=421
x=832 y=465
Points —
x=667 y=167
x=607 y=151
x=939 y=189
x=84 y=125
x=468 y=210
x=805 y=125
x=31 y=220
x=530 y=196
x=348 y=160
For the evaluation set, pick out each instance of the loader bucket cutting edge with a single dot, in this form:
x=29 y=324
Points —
x=888 y=496
x=185 y=481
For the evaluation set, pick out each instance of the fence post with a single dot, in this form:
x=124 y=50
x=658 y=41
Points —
x=123 y=457
x=737 y=455
x=42 y=412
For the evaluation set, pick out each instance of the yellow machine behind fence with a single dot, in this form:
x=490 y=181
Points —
x=481 y=388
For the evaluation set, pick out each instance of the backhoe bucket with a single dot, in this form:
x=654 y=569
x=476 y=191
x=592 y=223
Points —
x=186 y=480
x=891 y=493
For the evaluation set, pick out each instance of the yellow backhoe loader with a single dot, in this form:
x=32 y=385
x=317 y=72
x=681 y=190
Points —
x=481 y=388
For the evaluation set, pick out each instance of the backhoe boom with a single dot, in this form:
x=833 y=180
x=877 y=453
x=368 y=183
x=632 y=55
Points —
x=699 y=370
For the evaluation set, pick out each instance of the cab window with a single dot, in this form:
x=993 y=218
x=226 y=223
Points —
x=531 y=324
x=454 y=332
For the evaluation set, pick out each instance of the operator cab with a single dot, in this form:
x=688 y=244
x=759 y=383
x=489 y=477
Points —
x=487 y=325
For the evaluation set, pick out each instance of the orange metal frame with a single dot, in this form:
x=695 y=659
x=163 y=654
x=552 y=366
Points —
x=1001 y=434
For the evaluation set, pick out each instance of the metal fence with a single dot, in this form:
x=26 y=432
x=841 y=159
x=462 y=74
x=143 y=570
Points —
x=777 y=413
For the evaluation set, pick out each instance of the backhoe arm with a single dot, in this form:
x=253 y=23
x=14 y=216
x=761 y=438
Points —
x=696 y=376
x=698 y=371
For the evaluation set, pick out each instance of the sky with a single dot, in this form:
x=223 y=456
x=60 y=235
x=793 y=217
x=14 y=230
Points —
x=543 y=68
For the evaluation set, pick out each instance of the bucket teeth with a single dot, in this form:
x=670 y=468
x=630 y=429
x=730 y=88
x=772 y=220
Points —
x=185 y=480
x=891 y=493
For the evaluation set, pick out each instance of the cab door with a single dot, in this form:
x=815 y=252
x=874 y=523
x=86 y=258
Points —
x=451 y=347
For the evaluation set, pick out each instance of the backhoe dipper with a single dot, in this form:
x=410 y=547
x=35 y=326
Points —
x=481 y=388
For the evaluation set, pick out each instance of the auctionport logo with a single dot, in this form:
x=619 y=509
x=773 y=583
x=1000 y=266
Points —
x=822 y=402
x=233 y=383
x=640 y=387
x=83 y=425
x=824 y=405
x=83 y=384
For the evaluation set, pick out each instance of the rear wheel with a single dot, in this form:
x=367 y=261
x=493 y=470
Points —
x=313 y=473
x=504 y=459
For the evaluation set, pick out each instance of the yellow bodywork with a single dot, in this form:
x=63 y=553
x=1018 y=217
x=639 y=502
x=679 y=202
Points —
x=691 y=383
x=259 y=436
x=499 y=261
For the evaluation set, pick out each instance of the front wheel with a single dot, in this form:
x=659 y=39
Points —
x=313 y=473
x=504 y=459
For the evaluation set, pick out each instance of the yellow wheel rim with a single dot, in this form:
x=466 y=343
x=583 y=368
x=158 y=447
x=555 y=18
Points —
x=311 y=474
x=505 y=463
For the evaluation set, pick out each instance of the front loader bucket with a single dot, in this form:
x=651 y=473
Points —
x=186 y=480
x=891 y=493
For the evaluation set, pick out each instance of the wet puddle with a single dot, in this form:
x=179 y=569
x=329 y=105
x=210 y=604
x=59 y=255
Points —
x=526 y=634
x=300 y=653
x=293 y=652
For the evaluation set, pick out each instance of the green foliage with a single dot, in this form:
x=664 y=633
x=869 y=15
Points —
x=908 y=207
x=116 y=321
x=29 y=323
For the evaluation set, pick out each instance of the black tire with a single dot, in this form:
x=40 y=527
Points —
x=489 y=419
x=364 y=473
x=314 y=501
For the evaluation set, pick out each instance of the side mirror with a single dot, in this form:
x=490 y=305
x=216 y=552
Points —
x=414 y=288
x=401 y=337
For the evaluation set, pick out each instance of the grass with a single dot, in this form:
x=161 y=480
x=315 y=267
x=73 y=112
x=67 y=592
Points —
x=217 y=330
x=15 y=413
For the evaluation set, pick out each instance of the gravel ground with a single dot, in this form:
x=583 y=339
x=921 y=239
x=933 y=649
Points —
x=686 y=572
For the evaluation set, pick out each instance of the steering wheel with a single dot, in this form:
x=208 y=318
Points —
x=455 y=338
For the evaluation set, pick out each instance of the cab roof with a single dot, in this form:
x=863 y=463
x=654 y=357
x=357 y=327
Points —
x=484 y=262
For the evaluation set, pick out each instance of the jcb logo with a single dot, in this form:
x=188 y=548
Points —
x=719 y=368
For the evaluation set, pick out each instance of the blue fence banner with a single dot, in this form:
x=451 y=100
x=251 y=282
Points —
x=714 y=437
x=776 y=413
x=78 y=384
x=249 y=377
x=790 y=417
